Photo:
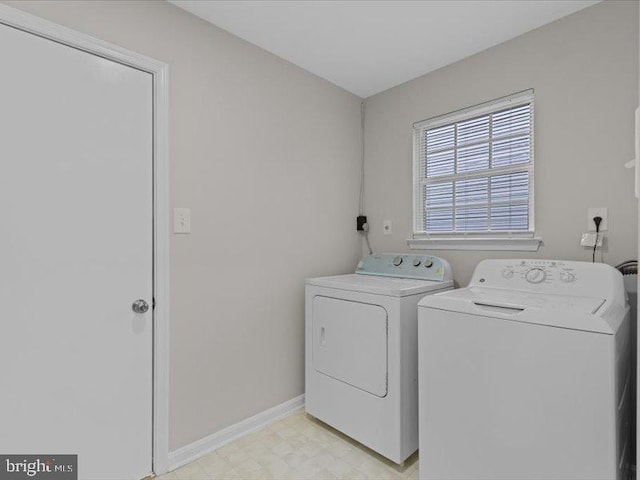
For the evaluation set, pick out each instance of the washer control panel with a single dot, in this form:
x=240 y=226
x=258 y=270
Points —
x=422 y=267
x=539 y=271
x=552 y=277
x=535 y=275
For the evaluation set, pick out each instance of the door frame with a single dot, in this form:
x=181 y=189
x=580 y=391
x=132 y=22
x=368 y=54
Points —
x=161 y=212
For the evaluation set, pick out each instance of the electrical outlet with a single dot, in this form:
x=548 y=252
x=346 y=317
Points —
x=602 y=212
x=386 y=227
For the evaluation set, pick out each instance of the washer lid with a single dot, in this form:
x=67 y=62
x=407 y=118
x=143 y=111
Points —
x=523 y=300
x=573 y=312
x=378 y=285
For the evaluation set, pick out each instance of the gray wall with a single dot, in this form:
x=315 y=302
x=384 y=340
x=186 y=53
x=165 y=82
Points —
x=584 y=69
x=268 y=157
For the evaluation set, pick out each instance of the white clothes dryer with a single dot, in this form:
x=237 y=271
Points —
x=362 y=349
x=525 y=374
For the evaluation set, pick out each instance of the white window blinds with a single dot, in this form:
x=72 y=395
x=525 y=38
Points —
x=473 y=170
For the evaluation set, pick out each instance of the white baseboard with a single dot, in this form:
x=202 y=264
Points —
x=208 y=444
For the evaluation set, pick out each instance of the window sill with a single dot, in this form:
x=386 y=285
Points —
x=487 y=244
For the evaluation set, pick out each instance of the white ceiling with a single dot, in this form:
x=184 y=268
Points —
x=369 y=46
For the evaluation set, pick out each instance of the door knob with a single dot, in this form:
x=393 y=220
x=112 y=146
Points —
x=140 y=306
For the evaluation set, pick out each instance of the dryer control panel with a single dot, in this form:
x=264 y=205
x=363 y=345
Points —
x=421 y=267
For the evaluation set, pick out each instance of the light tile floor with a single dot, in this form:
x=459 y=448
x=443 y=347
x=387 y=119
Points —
x=297 y=447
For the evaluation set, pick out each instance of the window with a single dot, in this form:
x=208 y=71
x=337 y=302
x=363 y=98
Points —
x=473 y=172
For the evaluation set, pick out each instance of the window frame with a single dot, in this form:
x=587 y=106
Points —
x=476 y=239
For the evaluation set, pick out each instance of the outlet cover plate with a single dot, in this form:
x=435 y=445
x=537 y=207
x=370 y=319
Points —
x=598 y=212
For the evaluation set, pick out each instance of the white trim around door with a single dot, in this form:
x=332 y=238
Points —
x=160 y=71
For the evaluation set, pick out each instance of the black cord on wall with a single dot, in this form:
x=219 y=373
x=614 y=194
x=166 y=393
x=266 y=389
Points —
x=597 y=221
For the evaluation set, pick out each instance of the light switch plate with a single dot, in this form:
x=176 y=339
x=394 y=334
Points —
x=602 y=212
x=181 y=220
x=386 y=227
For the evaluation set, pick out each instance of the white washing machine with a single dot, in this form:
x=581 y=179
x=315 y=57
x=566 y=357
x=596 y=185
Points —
x=362 y=349
x=525 y=374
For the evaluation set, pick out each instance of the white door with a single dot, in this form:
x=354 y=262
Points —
x=76 y=251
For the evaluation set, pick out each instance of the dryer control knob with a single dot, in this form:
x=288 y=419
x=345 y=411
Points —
x=507 y=273
x=397 y=261
x=416 y=262
x=428 y=263
x=535 y=275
